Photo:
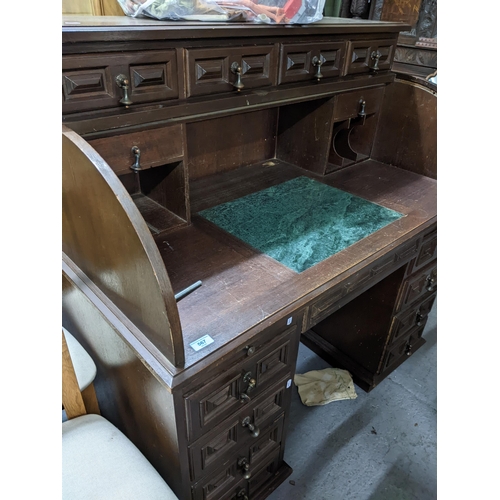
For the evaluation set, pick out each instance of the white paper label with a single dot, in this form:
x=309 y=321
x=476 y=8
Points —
x=289 y=320
x=201 y=342
x=289 y=383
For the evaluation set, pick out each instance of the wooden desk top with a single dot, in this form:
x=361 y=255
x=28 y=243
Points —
x=242 y=288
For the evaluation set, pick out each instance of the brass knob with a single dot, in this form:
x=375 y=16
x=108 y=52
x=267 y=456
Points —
x=317 y=63
x=431 y=282
x=418 y=318
x=408 y=349
x=254 y=430
x=375 y=56
x=250 y=349
x=252 y=383
x=362 y=112
x=241 y=495
x=245 y=466
x=236 y=70
x=123 y=82
x=137 y=165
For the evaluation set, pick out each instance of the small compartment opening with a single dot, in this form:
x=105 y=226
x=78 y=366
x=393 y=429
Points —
x=160 y=195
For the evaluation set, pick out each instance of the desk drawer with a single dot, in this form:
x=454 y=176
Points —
x=157 y=147
x=272 y=355
x=362 y=56
x=417 y=286
x=300 y=61
x=413 y=317
x=401 y=350
x=212 y=71
x=89 y=81
x=259 y=460
x=428 y=250
x=348 y=105
x=234 y=437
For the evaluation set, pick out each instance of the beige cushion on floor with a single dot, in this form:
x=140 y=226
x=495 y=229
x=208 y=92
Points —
x=101 y=463
x=83 y=364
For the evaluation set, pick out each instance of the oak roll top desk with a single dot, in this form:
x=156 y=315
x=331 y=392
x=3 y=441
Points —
x=162 y=121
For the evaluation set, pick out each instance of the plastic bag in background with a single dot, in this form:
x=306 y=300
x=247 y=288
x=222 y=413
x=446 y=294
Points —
x=257 y=11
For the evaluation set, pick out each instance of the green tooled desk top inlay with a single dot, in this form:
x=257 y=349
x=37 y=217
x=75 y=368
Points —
x=300 y=222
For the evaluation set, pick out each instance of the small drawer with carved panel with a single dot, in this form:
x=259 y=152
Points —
x=98 y=81
x=401 y=350
x=417 y=286
x=127 y=153
x=245 y=440
x=428 y=250
x=225 y=484
x=415 y=316
x=216 y=70
x=369 y=56
x=247 y=374
x=311 y=61
x=359 y=103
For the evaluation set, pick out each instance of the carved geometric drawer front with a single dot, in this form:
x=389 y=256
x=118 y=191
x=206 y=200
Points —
x=296 y=61
x=224 y=485
x=209 y=70
x=360 y=55
x=418 y=285
x=237 y=434
x=89 y=81
x=428 y=250
x=265 y=473
x=242 y=382
x=402 y=349
x=415 y=316
x=231 y=439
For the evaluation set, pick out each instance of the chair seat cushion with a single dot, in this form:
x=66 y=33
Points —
x=100 y=463
x=85 y=369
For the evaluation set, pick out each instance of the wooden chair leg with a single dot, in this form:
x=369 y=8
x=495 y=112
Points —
x=90 y=400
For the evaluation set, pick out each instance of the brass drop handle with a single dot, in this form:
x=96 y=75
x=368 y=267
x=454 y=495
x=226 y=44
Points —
x=317 y=63
x=252 y=383
x=123 y=82
x=430 y=283
x=236 y=70
x=418 y=318
x=362 y=105
x=408 y=349
x=375 y=56
x=137 y=153
x=254 y=430
x=245 y=466
x=241 y=495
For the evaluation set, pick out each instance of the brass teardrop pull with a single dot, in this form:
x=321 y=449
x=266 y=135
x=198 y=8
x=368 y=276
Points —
x=137 y=165
x=236 y=70
x=123 y=82
x=317 y=63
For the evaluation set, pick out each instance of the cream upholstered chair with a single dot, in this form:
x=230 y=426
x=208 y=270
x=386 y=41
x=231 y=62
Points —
x=85 y=371
x=98 y=461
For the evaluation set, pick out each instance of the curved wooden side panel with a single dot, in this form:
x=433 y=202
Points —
x=407 y=128
x=106 y=236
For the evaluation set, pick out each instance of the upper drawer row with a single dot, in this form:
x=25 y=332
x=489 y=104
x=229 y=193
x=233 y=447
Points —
x=98 y=81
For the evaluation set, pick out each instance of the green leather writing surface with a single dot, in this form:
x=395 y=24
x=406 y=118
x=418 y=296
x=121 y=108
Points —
x=300 y=222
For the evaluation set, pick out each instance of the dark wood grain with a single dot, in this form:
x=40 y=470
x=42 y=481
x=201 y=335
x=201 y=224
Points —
x=407 y=128
x=228 y=143
x=103 y=232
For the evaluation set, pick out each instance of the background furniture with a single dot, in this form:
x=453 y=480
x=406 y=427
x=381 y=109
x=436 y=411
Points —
x=164 y=120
